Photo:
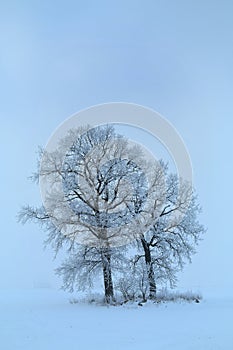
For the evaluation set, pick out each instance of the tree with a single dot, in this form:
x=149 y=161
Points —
x=96 y=197
x=173 y=237
x=133 y=283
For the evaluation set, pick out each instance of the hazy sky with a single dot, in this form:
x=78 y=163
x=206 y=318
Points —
x=58 y=57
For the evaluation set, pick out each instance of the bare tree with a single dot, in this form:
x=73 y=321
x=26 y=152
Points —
x=173 y=237
x=96 y=197
x=133 y=284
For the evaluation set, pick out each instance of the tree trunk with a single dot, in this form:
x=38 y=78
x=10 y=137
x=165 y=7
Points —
x=107 y=275
x=150 y=271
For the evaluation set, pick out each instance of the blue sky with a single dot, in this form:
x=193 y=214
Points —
x=58 y=57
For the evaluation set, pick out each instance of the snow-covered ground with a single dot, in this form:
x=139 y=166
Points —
x=45 y=320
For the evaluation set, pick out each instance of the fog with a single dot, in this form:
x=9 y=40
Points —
x=60 y=57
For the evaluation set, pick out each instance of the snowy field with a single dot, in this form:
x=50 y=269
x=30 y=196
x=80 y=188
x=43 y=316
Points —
x=45 y=320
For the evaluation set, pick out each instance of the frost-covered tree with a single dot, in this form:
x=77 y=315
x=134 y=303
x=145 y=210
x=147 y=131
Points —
x=173 y=237
x=133 y=282
x=96 y=198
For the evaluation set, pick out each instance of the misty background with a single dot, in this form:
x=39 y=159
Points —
x=172 y=56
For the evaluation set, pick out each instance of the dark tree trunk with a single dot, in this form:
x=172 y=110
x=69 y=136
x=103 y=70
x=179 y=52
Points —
x=150 y=271
x=107 y=275
x=106 y=263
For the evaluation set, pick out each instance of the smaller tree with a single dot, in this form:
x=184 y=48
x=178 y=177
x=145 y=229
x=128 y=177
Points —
x=172 y=239
x=133 y=283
